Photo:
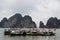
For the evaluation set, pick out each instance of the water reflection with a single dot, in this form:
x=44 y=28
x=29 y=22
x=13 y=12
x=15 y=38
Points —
x=30 y=38
x=2 y=37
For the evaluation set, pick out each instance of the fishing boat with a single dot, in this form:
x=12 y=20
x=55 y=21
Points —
x=31 y=33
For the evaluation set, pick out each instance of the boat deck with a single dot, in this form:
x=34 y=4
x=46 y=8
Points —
x=30 y=32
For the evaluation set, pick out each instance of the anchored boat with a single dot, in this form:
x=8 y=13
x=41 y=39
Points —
x=32 y=32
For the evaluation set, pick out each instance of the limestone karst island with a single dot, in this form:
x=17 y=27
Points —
x=19 y=25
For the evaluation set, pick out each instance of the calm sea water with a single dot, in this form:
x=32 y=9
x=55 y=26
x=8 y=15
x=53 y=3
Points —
x=2 y=37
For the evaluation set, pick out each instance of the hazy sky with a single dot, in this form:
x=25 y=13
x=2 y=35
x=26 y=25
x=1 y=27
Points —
x=37 y=9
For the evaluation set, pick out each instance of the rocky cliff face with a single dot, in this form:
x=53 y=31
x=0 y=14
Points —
x=27 y=22
x=14 y=21
x=41 y=25
x=53 y=23
x=17 y=21
x=2 y=22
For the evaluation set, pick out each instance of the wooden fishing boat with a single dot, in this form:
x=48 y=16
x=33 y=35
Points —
x=31 y=33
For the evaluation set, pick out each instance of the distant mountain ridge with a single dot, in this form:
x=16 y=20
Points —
x=52 y=22
x=17 y=21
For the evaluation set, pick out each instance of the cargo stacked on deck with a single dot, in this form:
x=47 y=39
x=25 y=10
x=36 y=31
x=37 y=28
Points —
x=29 y=31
